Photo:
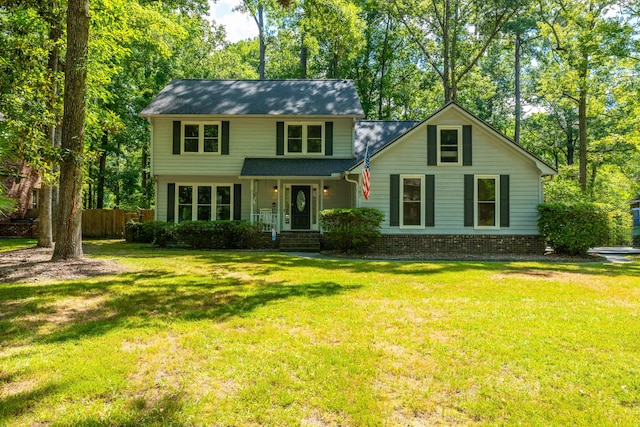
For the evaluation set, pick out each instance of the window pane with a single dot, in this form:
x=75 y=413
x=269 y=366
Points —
x=314 y=131
x=204 y=195
x=487 y=214
x=211 y=131
x=411 y=213
x=294 y=145
x=204 y=213
x=294 y=139
x=191 y=138
x=411 y=189
x=210 y=145
x=191 y=131
x=223 y=212
x=294 y=131
x=449 y=145
x=314 y=146
x=486 y=189
x=210 y=138
x=191 y=145
x=223 y=195
x=314 y=139
x=185 y=195
x=184 y=213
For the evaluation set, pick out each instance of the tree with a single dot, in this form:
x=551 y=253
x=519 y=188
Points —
x=69 y=230
x=584 y=41
x=454 y=34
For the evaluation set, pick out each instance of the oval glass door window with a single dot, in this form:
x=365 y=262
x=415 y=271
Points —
x=301 y=201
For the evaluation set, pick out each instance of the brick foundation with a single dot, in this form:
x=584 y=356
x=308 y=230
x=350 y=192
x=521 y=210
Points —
x=14 y=229
x=459 y=244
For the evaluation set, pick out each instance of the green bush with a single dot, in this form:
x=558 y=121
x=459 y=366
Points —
x=217 y=234
x=159 y=233
x=573 y=228
x=352 y=230
x=620 y=228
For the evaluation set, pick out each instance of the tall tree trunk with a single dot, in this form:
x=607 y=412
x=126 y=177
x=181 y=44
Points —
x=146 y=193
x=446 y=49
x=303 y=58
x=582 y=123
x=69 y=235
x=45 y=215
x=518 y=109
x=102 y=167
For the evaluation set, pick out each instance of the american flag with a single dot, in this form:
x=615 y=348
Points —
x=366 y=174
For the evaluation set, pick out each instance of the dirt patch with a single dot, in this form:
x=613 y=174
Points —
x=34 y=264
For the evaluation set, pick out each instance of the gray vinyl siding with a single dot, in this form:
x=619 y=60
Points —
x=249 y=137
x=491 y=156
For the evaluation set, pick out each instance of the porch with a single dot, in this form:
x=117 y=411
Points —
x=294 y=205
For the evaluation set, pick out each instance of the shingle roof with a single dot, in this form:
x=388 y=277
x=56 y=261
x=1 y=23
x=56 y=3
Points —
x=287 y=166
x=378 y=133
x=257 y=97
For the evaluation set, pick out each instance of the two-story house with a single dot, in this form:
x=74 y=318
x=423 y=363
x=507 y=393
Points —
x=279 y=152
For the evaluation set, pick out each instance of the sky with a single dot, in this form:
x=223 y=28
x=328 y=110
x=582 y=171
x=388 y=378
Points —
x=238 y=26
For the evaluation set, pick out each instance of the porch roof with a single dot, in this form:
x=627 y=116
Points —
x=321 y=167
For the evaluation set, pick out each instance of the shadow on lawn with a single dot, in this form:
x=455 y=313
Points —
x=76 y=309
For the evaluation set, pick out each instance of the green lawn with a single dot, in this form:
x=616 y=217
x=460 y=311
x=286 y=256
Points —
x=257 y=338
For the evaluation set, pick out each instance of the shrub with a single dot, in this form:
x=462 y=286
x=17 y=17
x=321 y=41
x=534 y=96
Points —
x=217 y=234
x=620 y=228
x=352 y=230
x=159 y=233
x=573 y=228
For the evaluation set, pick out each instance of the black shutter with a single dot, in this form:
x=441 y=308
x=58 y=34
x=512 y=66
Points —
x=468 y=200
x=432 y=145
x=225 y=137
x=504 y=200
x=328 y=139
x=171 y=203
x=394 y=201
x=429 y=205
x=237 y=201
x=280 y=138
x=466 y=146
x=177 y=130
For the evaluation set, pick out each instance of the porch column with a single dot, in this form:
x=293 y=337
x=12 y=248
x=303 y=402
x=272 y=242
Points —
x=253 y=197
x=279 y=207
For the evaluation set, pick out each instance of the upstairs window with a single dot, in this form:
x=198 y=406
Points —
x=201 y=137
x=304 y=138
x=449 y=145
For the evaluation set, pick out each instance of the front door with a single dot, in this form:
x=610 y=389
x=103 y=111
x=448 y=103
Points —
x=300 y=207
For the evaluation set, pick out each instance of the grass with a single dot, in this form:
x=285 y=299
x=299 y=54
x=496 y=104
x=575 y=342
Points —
x=243 y=338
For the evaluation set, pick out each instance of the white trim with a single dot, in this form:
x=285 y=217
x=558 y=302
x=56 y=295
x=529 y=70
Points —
x=422 y=201
x=201 y=125
x=496 y=218
x=194 y=199
x=438 y=145
x=305 y=126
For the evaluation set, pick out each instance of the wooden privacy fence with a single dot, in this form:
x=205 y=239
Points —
x=110 y=222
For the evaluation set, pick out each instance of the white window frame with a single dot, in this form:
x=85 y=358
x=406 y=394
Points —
x=201 y=126
x=440 y=129
x=476 y=213
x=305 y=126
x=194 y=199
x=422 y=202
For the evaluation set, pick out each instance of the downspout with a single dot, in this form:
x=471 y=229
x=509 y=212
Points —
x=357 y=184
